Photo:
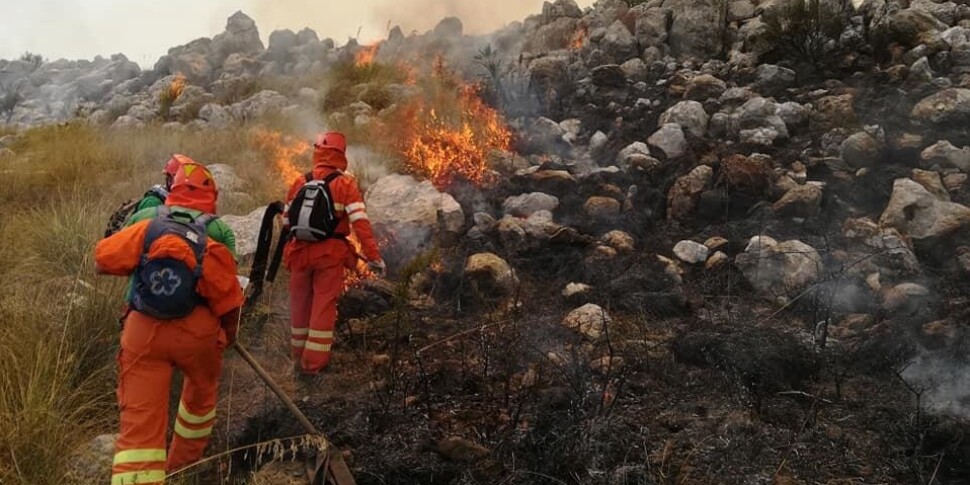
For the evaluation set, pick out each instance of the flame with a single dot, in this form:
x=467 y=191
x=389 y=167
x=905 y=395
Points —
x=176 y=87
x=365 y=56
x=283 y=150
x=579 y=38
x=449 y=135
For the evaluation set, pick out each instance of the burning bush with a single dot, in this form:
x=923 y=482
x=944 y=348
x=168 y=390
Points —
x=447 y=133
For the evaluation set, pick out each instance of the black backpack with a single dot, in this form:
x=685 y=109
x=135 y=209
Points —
x=121 y=215
x=165 y=288
x=312 y=215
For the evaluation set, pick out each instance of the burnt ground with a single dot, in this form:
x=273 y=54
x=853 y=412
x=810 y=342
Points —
x=730 y=394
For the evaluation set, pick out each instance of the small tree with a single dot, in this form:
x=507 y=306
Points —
x=8 y=102
x=805 y=31
x=33 y=60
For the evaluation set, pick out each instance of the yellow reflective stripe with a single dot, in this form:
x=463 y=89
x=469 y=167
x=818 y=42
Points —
x=300 y=331
x=139 y=456
x=320 y=334
x=318 y=347
x=338 y=207
x=133 y=478
x=194 y=418
x=356 y=216
x=298 y=343
x=192 y=434
x=355 y=207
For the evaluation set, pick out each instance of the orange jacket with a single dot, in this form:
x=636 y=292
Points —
x=119 y=255
x=301 y=255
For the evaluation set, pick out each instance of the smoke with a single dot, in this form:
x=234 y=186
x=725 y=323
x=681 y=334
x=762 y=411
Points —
x=374 y=18
x=944 y=379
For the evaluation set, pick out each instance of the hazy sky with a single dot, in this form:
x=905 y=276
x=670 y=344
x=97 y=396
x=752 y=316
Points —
x=145 y=29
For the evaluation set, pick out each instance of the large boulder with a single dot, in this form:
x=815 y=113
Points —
x=779 y=269
x=409 y=215
x=651 y=26
x=259 y=105
x=240 y=37
x=860 y=150
x=246 y=229
x=690 y=115
x=919 y=214
x=696 y=28
x=704 y=87
x=619 y=43
x=947 y=107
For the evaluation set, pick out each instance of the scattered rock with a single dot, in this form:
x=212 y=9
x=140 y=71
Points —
x=619 y=241
x=949 y=107
x=947 y=156
x=683 y=196
x=576 y=290
x=691 y=252
x=491 y=275
x=602 y=207
x=669 y=139
x=801 y=201
x=91 y=462
x=919 y=214
x=704 y=87
x=860 y=150
x=772 y=79
x=527 y=204
x=932 y=182
x=590 y=320
x=689 y=115
x=461 y=450
x=779 y=269
x=717 y=260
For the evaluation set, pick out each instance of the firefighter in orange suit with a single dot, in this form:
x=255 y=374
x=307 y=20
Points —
x=317 y=268
x=151 y=348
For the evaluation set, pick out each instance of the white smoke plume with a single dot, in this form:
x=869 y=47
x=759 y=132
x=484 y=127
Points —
x=944 y=381
x=374 y=18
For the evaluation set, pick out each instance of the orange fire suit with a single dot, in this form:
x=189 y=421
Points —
x=151 y=348
x=317 y=269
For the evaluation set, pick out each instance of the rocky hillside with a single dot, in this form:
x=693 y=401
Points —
x=725 y=242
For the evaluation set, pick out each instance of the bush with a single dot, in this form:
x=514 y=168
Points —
x=806 y=32
x=345 y=81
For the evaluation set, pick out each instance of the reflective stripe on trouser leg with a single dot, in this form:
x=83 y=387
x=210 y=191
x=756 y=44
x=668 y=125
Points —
x=301 y=300
x=197 y=409
x=328 y=283
x=143 y=388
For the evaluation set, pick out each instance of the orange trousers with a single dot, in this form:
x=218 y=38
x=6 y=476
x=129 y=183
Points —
x=150 y=351
x=313 y=314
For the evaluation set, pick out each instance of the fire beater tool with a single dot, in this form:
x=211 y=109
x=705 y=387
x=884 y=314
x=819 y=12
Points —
x=322 y=467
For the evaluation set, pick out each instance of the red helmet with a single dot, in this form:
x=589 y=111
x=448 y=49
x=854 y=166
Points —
x=194 y=187
x=173 y=164
x=332 y=140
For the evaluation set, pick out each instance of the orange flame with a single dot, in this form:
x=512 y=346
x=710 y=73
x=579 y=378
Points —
x=579 y=38
x=445 y=137
x=365 y=56
x=176 y=87
x=283 y=150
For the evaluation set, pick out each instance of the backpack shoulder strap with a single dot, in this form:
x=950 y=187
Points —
x=332 y=177
x=308 y=177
